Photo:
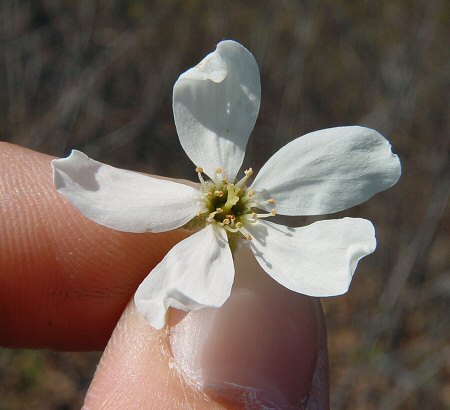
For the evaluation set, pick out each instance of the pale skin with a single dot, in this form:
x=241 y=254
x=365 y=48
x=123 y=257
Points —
x=67 y=283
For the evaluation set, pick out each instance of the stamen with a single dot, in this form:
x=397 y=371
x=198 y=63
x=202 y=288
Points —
x=199 y=171
x=213 y=214
x=268 y=215
x=226 y=221
x=252 y=217
x=218 y=178
x=218 y=194
x=269 y=201
x=248 y=199
x=239 y=228
x=245 y=233
x=248 y=173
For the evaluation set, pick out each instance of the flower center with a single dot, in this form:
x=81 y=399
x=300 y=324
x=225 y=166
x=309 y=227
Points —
x=230 y=205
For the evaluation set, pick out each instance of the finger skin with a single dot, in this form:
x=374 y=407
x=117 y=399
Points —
x=64 y=279
x=265 y=345
x=137 y=371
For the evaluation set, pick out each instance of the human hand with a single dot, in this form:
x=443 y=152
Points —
x=66 y=281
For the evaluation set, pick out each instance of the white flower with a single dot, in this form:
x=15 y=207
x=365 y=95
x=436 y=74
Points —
x=215 y=107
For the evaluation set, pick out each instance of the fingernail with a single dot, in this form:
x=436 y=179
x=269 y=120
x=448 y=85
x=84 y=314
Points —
x=258 y=349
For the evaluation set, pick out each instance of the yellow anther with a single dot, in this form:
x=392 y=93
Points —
x=239 y=225
x=254 y=215
x=219 y=170
x=231 y=217
x=218 y=194
x=224 y=181
x=273 y=212
x=226 y=221
x=250 y=193
x=219 y=210
x=248 y=237
x=199 y=171
x=270 y=201
x=248 y=172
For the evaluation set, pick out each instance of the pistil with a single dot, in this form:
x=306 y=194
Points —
x=232 y=198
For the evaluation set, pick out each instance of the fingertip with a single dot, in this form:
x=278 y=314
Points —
x=259 y=348
x=62 y=275
x=265 y=347
x=137 y=371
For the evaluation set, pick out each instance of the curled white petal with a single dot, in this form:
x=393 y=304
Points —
x=123 y=200
x=327 y=171
x=198 y=272
x=316 y=260
x=215 y=105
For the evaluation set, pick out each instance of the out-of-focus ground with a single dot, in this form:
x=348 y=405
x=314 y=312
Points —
x=97 y=75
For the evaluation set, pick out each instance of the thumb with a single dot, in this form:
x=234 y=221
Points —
x=137 y=371
x=265 y=348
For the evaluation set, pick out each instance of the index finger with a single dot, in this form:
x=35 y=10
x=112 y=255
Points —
x=64 y=279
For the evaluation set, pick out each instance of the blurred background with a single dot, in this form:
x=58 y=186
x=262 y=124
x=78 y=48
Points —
x=97 y=75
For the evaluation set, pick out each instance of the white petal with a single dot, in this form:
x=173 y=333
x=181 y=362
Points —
x=197 y=272
x=327 y=171
x=215 y=105
x=123 y=200
x=316 y=260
